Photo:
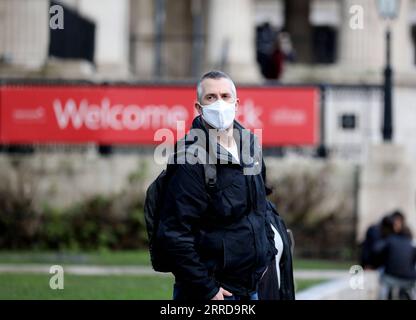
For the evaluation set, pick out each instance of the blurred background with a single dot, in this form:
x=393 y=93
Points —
x=85 y=84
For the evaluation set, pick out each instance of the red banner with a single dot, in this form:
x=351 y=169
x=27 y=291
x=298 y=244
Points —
x=112 y=115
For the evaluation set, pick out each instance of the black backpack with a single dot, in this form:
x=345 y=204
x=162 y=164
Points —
x=155 y=195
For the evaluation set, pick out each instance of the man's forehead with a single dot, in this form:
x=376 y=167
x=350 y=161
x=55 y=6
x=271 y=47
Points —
x=215 y=85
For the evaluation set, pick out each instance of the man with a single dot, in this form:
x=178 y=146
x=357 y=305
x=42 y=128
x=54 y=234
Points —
x=218 y=241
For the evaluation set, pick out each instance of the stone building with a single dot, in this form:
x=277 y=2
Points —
x=177 y=40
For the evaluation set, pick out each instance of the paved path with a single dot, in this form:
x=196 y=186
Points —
x=80 y=269
x=144 y=270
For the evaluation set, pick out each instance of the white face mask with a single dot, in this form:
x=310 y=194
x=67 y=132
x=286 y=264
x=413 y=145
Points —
x=219 y=114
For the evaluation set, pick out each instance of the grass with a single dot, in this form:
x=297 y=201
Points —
x=131 y=258
x=126 y=287
x=317 y=264
x=306 y=283
x=36 y=286
x=105 y=258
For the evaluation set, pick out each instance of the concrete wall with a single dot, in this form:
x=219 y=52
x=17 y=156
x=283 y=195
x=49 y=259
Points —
x=63 y=179
x=367 y=106
x=334 y=177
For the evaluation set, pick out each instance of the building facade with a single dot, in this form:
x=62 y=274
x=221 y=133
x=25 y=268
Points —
x=334 y=41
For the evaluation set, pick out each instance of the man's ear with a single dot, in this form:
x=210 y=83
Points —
x=198 y=107
x=237 y=104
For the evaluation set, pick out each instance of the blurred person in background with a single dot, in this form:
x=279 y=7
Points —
x=373 y=235
x=399 y=224
x=273 y=49
x=378 y=231
x=395 y=255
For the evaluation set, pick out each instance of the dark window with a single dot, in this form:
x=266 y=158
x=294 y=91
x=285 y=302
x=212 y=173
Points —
x=348 y=121
x=324 y=44
x=76 y=40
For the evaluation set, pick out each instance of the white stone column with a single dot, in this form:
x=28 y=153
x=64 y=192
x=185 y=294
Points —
x=362 y=52
x=231 y=35
x=402 y=51
x=24 y=32
x=387 y=183
x=111 y=35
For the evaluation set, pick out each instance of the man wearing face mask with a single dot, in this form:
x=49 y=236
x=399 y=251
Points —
x=218 y=239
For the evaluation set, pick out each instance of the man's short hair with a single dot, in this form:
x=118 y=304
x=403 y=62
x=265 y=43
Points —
x=214 y=74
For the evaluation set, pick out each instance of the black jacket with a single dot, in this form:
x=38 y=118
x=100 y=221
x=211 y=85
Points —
x=219 y=237
x=368 y=258
x=397 y=255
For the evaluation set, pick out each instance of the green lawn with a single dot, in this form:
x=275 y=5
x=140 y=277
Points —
x=36 y=286
x=314 y=264
x=306 y=283
x=130 y=258
x=107 y=258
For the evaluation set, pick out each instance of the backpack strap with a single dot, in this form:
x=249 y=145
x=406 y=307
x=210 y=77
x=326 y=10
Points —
x=210 y=169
